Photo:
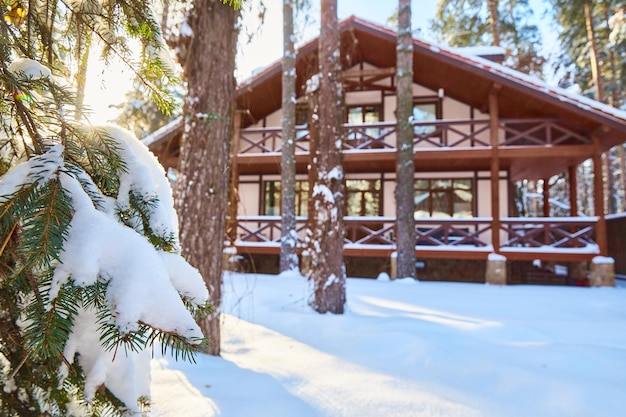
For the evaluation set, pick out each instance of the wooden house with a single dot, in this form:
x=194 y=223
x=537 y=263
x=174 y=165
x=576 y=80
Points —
x=478 y=128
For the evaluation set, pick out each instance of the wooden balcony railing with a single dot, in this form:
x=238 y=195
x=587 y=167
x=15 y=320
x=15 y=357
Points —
x=437 y=133
x=470 y=233
x=556 y=233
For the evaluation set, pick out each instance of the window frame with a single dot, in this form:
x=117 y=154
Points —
x=378 y=106
x=449 y=191
x=302 y=197
x=436 y=100
x=377 y=195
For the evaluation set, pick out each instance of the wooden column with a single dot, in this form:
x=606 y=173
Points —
x=598 y=199
x=573 y=190
x=495 y=168
x=546 y=208
x=233 y=203
x=546 y=197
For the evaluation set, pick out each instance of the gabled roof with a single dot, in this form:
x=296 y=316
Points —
x=464 y=77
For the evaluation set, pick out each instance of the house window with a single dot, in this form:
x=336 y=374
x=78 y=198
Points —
x=363 y=198
x=425 y=111
x=363 y=114
x=444 y=198
x=272 y=198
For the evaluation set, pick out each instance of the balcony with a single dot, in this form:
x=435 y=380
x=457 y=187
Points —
x=524 y=145
x=555 y=239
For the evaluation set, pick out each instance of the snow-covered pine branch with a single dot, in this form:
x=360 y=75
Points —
x=142 y=286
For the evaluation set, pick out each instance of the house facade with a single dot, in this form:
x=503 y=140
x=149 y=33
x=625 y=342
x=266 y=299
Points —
x=478 y=128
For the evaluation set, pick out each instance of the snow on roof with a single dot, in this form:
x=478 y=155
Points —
x=163 y=132
x=469 y=56
x=482 y=50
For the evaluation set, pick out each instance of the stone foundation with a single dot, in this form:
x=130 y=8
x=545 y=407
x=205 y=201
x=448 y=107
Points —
x=602 y=272
x=495 y=273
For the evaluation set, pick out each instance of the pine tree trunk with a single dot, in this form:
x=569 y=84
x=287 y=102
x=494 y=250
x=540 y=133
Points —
x=202 y=189
x=615 y=204
x=492 y=5
x=328 y=270
x=288 y=256
x=593 y=52
x=405 y=171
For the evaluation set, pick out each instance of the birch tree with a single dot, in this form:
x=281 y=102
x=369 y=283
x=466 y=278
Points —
x=405 y=171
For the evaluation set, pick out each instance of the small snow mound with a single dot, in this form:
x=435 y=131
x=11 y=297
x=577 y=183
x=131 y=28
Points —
x=383 y=276
x=407 y=280
x=496 y=257
x=603 y=260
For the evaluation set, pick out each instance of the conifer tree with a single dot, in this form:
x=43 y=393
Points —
x=504 y=23
x=90 y=271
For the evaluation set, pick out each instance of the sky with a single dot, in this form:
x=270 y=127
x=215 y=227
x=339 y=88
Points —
x=406 y=348
x=267 y=46
x=108 y=86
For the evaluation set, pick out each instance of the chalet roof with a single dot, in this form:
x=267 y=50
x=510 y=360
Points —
x=435 y=67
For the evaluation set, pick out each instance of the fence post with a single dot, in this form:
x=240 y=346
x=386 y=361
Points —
x=496 y=269
x=230 y=260
x=602 y=273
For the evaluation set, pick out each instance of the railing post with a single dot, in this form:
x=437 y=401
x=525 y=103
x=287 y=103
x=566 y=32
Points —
x=496 y=270
x=573 y=190
x=598 y=199
x=546 y=210
x=602 y=272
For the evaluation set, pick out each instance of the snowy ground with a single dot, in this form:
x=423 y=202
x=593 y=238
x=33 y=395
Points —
x=406 y=348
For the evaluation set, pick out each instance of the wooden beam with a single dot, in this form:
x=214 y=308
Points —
x=598 y=199
x=573 y=190
x=534 y=152
x=529 y=255
x=371 y=72
x=495 y=167
x=435 y=253
x=546 y=197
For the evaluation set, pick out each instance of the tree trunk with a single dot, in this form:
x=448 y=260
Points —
x=613 y=99
x=202 y=189
x=328 y=270
x=593 y=52
x=405 y=170
x=288 y=255
x=492 y=5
